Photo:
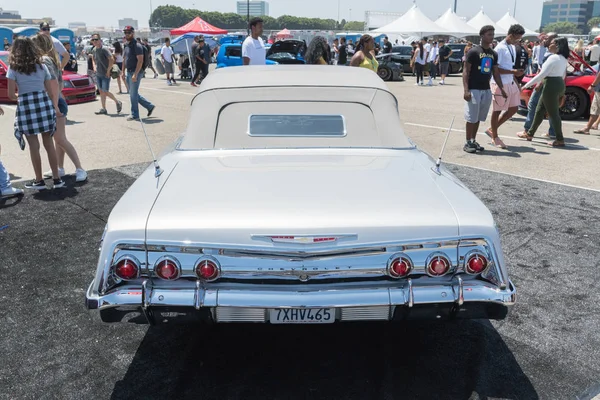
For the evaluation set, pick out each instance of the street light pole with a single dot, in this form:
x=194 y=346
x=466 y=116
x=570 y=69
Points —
x=338 y=19
x=515 y=10
x=248 y=17
x=455 y=1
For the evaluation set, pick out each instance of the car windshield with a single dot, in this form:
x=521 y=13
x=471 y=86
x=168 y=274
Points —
x=4 y=59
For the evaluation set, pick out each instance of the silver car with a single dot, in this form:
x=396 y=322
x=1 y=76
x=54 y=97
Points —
x=294 y=197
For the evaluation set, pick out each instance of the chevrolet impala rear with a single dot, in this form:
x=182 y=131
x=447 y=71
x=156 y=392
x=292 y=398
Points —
x=294 y=197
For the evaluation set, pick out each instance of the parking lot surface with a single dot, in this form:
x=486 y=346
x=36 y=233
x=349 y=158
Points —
x=547 y=348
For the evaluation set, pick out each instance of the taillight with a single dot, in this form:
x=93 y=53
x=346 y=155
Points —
x=399 y=266
x=438 y=264
x=167 y=268
x=207 y=269
x=127 y=268
x=476 y=262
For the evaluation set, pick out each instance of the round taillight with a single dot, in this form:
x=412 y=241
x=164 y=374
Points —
x=438 y=265
x=167 y=268
x=127 y=269
x=207 y=269
x=476 y=263
x=400 y=266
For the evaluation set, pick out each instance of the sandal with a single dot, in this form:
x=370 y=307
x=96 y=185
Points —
x=557 y=143
x=498 y=143
x=524 y=135
x=582 y=132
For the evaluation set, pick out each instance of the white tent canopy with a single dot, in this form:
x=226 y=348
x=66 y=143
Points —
x=508 y=20
x=454 y=24
x=481 y=19
x=414 y=22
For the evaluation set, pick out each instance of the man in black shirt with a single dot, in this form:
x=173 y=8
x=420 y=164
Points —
x=444 y=54
x=480 y=63
x=133 y=61
x=343 y=52
x=387 y=45
x=521 y=60
x=201 y=57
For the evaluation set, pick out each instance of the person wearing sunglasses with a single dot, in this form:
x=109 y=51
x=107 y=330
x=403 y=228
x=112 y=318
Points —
x=63 y=54
x=133 y=55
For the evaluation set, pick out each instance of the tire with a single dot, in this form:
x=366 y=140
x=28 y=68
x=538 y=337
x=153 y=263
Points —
x=385 y=73
x=577 y=104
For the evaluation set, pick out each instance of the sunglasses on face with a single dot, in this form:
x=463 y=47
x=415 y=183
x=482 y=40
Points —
x=94 y=40
x=46 y=29
x=127 y=32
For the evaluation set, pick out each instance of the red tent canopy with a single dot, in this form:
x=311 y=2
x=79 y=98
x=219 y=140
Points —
x=198 y=25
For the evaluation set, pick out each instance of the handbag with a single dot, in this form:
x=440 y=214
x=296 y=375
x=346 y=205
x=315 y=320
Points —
x=115 y=71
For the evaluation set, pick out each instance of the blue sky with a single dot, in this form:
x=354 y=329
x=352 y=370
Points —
x=108 y=12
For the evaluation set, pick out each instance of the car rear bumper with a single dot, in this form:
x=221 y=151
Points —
x=83 y=95
x=457 y=299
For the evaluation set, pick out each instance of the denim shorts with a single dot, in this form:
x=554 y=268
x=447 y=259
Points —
x=103 y=83
x=63 y=106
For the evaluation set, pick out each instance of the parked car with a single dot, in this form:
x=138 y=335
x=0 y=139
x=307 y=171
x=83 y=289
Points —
x=389 y=70
x=314 y=207
x=402 y=55
x=577 y=100
x=289 y=51
x=77 y=88
x=456 y=59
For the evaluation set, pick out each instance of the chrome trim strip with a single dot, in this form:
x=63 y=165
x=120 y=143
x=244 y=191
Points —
x=460 y=295
x=411 y=295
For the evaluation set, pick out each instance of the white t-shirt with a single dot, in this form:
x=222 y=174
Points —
x=433 y=53
x=255 y=50
x=58 y=46
x=167 y=53
x=595 y=53
x=507 y=55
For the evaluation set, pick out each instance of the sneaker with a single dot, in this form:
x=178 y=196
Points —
x=155 y=75
x=58 y=183
x=169 y=83
x=430 y=83
x=37 y=185
x=173 y=80
x=132 y=119
x=102 y=112
x=150 y=111
x=61 y=173
x=10 y=192
x=80 y=175
x=478 y=146
x=470 y=147
x=119 y=107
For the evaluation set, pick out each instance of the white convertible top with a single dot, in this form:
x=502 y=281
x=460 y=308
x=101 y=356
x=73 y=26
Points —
x=235 y=103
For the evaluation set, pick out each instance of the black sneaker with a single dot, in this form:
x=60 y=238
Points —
x=37 y=185
x=58 y=183
x=102 y=112
x=478 y=146
x=150 y=111
x=119 y=107
x=470 y=147
x=132 y=119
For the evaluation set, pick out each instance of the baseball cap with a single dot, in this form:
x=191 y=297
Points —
x=44 y=25
x=128 y=28
x=200 y=38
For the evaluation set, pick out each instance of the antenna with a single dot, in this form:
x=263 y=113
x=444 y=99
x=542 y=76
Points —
x=157 y=169
x=436 y=169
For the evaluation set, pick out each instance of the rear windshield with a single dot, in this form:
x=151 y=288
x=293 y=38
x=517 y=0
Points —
x=283 y=125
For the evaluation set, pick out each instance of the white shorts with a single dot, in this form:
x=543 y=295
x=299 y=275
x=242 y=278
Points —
x=478 y=108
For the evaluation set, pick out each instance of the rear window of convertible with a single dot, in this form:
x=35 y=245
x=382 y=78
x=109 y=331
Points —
x=286 y=125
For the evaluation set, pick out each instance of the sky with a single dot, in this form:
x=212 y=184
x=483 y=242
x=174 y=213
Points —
x=107 y=12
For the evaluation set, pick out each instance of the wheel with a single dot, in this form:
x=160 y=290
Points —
x=577 y=103
x=385 y=73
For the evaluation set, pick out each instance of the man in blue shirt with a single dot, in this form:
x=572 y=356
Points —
x=133 y=72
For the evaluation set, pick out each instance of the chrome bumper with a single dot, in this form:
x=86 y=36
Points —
x=456 y=299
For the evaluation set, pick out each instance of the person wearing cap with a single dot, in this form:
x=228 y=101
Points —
x=133 y=56
x=201 y=58
x=63 y=55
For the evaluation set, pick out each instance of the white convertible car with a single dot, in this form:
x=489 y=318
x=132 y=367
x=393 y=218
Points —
x=294 y=197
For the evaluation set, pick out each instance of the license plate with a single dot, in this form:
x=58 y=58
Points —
x=302 y=316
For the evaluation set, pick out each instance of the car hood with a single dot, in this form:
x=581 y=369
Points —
x=379 y=196
x=285 y=46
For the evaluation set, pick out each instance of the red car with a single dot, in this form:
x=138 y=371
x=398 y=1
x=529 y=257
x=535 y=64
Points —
x=77 y=88
x=578 y=100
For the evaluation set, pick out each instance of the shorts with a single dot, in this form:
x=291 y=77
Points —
x=103 y=83
x=444 y=67
x=595 y=109
x=168 y=67
x=63 y=106
x=513 y=93
x=478 y=108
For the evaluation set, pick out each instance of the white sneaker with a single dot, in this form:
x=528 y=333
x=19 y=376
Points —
x=169 y=83
x=10 y=192
x=61 y=173
x=80 y=175
x=430 y=83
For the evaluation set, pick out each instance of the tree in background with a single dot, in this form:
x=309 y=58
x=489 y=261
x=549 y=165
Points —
x=354 y=26
x=562 y=27
x=594 y=22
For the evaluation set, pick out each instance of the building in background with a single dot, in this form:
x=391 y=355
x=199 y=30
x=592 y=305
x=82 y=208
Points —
x=578 y=12
x=128 y=22
x=14 y=19
x=257 y=7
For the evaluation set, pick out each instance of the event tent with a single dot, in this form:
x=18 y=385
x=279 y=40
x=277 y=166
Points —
x=284 y=34
x=508 y=20
x=198 y=25
x=481 y=19
x=413 y=22
x=183 y=45
x=454 y=24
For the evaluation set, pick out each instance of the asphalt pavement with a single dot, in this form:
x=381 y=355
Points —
x=547 y=348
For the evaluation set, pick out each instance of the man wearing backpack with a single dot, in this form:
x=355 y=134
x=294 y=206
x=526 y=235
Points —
x=133 y=61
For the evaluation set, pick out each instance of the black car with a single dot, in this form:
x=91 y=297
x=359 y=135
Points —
x=388 y=69
x=287 y=52
x=400 y=55
x=456 y=59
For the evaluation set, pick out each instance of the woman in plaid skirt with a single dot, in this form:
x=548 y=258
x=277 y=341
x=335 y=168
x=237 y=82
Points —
x=36 y=113
x=62 y=144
